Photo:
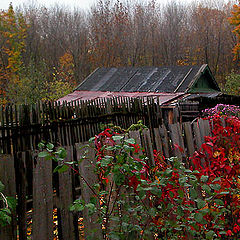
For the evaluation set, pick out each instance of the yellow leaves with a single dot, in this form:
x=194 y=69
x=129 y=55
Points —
x=14 y=31
x=235 y=20
x=216 y=154
x=233 y=155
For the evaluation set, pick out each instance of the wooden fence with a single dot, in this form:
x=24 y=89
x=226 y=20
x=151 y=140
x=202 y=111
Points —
x=40 y=192
x=22 y=127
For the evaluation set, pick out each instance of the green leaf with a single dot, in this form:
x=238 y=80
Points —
x=180 y=211
x=91 y=208
x=200 y=203
x=61 y=152
x=181 y=193
x=43 y=154
x=50 y=146
x=93 y=200
x=128 y=148
x=216 y=179
x=70 y=163
x=193 y=193
x=206 y=188
x=130 y=141
x=117 y=137
x=182 y=180
x=204 y=178
x=110 y=148
x=119 y=178
x=91 y=139
x=106 y=160
x=216 y=187
x=12 y=202
x=219 y=202
x=198 y=217
x=61 y=169
x=1 y=186
x=224 y=193
x=171 y=194
x=77 y=207
x=41 y=145
x=210 y=234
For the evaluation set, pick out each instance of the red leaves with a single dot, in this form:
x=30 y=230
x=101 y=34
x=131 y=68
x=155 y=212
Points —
x=218 y=165
x=218 y=159
x=236 y=228
x=136 y=147
x=176 y=146
x=229 y=233
x=207 y=147
x=133 y=182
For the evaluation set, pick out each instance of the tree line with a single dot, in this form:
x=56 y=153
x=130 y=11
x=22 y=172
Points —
x=46 y=52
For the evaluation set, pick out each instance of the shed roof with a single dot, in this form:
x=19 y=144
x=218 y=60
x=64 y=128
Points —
x=146 y=79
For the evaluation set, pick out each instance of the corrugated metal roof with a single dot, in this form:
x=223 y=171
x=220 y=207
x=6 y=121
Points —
x=142 y=79
x=163 y=98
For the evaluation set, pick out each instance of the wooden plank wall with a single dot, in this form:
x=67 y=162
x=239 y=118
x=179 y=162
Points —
x=33 y=181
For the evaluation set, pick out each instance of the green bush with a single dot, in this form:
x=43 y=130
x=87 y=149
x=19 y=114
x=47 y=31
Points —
x=232 y=85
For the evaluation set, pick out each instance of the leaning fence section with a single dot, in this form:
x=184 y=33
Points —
x=22 y=127
x=42 y=195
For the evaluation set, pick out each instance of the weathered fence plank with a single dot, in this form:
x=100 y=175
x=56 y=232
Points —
x=136 y=135
x=87 y=179
x=65 y=188
x=165 y=140
x=177 y=140
x=158 y=140
x=188 y=133
x=42 y=199
x=148 y=146
x=21 y=185
x=197 y=135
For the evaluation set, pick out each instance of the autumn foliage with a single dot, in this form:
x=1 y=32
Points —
x=42 y=46
x=178 y=202
x=13 y=32
x=235 y=20
x=134 y=198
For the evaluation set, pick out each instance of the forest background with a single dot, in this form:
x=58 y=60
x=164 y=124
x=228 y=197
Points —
x=46 y=52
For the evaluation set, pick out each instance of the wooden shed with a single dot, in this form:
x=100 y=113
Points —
x=172 y=86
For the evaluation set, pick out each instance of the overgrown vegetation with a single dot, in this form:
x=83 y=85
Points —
x=232 y=85
x=169 y=199
x=7 y=204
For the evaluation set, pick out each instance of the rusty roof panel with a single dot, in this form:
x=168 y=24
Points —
x=91 y=95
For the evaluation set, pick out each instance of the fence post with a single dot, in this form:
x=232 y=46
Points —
x=66 y=223
x=148 y=146
x=87 y=174
x=42 y=199
x=177 y=139
x=189 y=137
